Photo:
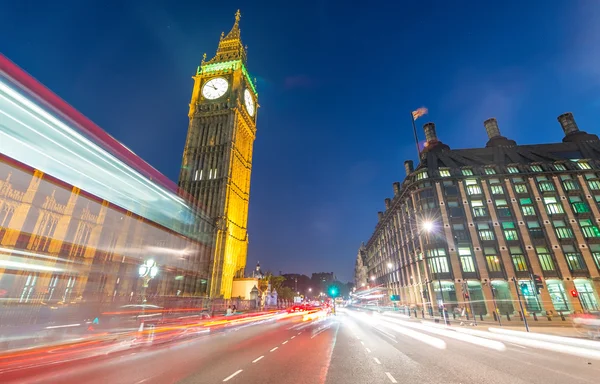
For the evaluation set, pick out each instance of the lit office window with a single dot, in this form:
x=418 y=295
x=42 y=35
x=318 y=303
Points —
x=595 y=249
x=594 y=185
x=444 y=172
x=583 y=165
x=466 y=259
x=521 y=188
x=492 y=259
x=467 y=172
x=560 y=167
x=510 y=231
x=546 y=261
x=562 y=230
x=536 y=168
x=588 y=229
x=574 y=258
x=553 y=207
x=437 y=260
x=422 y=175
x=472 y=187
x=518 y=258
x=490 y=171
x=512 y=169
x=568 y=183
x=497 y=190
x=578 y=205
x=485 y=232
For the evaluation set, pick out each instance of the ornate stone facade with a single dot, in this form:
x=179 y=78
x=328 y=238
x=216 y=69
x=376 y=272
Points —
x=217 y=158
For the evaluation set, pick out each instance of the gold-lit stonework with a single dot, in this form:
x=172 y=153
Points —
x=217 y=158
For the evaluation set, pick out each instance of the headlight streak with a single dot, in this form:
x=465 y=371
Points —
x=426 y=339
x=561 y=348
x=446 y=332
x=550 y=338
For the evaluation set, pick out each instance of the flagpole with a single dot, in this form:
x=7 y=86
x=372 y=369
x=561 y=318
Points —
x=412 y=117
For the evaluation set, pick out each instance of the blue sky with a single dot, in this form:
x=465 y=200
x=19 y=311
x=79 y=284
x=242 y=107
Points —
x=336 y=86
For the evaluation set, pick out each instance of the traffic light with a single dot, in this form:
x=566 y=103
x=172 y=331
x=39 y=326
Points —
x=539 y=283
x=525 y=289
x=574 y=293
x=333 y=291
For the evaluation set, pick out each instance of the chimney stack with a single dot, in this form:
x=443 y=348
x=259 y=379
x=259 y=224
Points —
x=408 y=167
x=396 y=186
x=388 y=203
x=430 y=134
x=568 y=124
x=380 y=215
x=491 y=127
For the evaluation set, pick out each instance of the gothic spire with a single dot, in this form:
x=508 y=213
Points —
x=230 y=45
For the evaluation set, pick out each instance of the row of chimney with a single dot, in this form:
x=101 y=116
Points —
x=566 y=120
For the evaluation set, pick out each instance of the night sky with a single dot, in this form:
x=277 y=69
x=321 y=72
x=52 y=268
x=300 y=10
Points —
x=336 y=86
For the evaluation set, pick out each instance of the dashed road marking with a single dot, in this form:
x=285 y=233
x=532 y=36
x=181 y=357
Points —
x=389 y=375
x=233 y=375
x=362 y=342
x=272 y=350
x=368 y=350
x=285 y=342
x=258 y=359
x=292 y=337
x=377 y=360
x=517 y=345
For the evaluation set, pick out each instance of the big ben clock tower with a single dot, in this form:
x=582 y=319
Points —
x=217 y=158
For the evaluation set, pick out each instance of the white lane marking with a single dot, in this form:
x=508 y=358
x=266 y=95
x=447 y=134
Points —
x=285 y=342
x=390 y=338
x=517 y=345
x=319 y=332
x=389 y=375
x=384 y=332
x=292 y=337
x=258 y=359
x=272 y=350
x=357 y=337
x=368 y=350
x=299 y=333
x=377 y=360
x=362 y=342
x=233 y=375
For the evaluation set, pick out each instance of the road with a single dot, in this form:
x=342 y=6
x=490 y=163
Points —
x=352 y=347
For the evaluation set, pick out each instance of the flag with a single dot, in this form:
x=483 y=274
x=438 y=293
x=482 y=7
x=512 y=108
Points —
x=419 y=112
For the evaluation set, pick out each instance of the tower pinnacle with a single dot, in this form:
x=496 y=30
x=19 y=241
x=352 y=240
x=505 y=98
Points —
x=230 y=45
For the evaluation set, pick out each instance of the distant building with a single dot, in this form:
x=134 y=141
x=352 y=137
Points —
x=471 y=226
x=360 y=268
x=327 y=277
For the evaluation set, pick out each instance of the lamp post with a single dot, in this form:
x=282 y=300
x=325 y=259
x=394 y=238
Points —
x=428 y=226
x=147 y=272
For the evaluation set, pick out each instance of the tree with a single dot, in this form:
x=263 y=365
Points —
x=275 y=281
x=286 y=293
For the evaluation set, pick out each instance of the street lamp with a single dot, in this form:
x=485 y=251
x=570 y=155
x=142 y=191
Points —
x=372 y=278
x=147 y=272
x=427 y=226
x=309 y=289
x=390 y=265
x=363 y=284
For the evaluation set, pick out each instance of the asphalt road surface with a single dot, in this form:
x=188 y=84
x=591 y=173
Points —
x=352 y=347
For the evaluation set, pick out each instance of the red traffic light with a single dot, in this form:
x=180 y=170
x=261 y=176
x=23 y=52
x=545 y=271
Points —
x=574 y=293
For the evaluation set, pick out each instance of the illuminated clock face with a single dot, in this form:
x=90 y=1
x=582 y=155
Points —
x=215 y=88
x=249 y=102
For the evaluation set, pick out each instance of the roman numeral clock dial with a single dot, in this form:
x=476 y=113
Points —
x=215 y=88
